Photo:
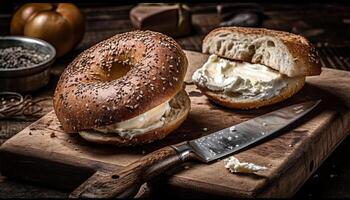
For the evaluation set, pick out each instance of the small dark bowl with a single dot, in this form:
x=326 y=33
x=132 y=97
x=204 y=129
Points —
x=26 y=79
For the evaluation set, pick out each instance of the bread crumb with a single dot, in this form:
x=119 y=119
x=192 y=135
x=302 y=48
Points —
x=30 y=133
x=52 y=135
x=205 y=129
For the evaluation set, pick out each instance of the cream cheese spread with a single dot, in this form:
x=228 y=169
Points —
x=140 y=124
x=240 y=79
x=235 y=166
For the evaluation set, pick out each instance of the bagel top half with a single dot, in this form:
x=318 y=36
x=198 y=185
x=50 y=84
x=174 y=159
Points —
x=253 y=67
x=119 y=79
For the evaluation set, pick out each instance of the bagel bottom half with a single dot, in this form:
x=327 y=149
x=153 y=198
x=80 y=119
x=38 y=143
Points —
x=220 y=98
x=180 y=107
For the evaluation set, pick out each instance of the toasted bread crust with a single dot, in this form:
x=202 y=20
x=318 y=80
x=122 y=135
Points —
x=306 y=61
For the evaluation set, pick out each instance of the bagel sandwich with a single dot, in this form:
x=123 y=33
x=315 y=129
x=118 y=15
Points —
x=253 y=67
x=126 y=90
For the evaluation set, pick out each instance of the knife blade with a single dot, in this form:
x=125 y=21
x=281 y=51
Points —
x=234 y=138
x=127 y=182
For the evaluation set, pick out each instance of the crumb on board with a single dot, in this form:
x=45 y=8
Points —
x=205 y=129
x=52 y=135
x=332 y=175
x=235 y=166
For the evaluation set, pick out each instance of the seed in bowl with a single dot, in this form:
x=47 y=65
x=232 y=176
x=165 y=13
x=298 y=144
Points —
x=20 y=57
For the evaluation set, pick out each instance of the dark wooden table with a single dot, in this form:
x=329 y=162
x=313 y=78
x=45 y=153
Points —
x=327 y=26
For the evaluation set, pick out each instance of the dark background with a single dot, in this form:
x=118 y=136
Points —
x=326 y=25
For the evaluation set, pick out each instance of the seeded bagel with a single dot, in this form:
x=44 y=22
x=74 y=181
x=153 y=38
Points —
x=118 y=79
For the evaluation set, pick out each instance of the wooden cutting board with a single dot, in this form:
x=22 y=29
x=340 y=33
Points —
x=44 y=153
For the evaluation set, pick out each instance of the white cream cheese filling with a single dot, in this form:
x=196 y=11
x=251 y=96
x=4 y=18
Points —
x=140 y=124
x=235 y=166
x=240 y=79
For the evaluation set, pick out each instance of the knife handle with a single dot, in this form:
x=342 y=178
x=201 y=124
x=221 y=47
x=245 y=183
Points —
x=127 y=182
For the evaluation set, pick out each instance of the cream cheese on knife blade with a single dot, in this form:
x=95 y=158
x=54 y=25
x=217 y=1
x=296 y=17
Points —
x=241 y=79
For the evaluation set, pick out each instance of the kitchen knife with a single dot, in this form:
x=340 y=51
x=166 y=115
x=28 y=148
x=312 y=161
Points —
x=127 y=182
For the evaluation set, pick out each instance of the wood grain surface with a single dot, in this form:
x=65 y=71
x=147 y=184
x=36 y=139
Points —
x=291 y=157
x=126 y=183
